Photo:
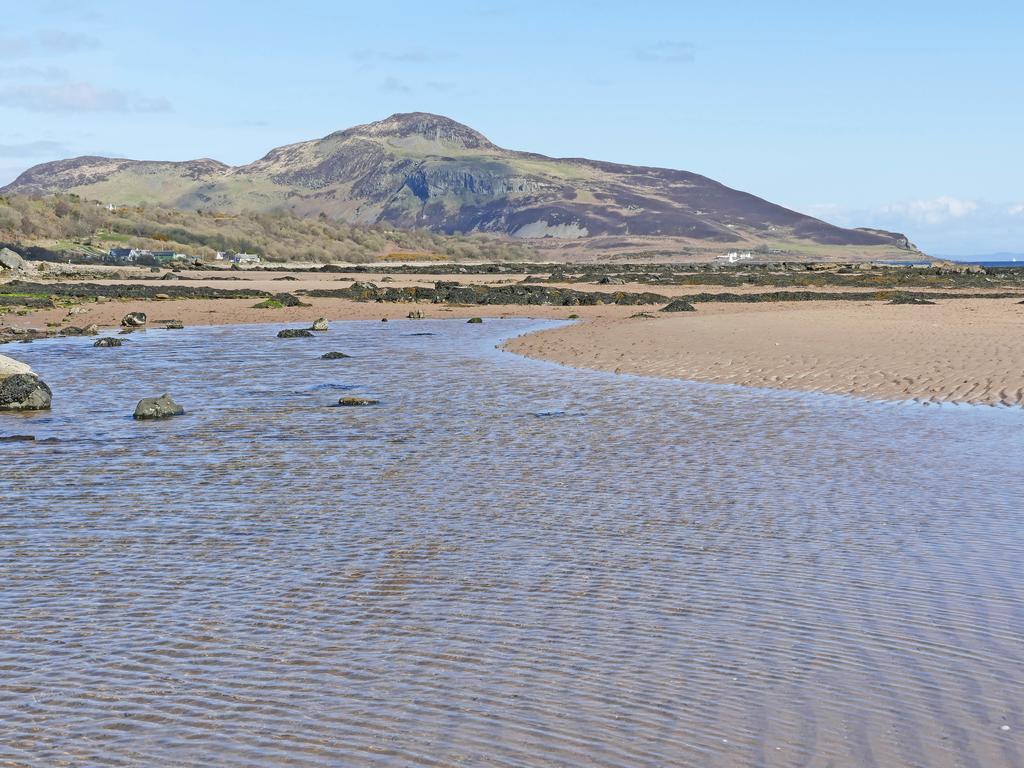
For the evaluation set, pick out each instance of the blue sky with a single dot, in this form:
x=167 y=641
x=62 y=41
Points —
x=904 y=115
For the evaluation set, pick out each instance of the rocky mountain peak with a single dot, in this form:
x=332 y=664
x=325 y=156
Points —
x=424 y=124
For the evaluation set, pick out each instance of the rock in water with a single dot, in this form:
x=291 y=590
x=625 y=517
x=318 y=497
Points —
x=24 y=392
x=353 y=402
x=134 y=320
x=108 y=341
x=11 y=367
x=475 y=320
x=10 y=260
x=334 y=356
x=679 y=305
x=293 y=333
x=157 y=408
x=320 y=324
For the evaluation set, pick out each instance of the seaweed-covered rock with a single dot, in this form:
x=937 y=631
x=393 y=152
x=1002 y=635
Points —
x=162 y=407
x=320 y=324
x=134 y=320
x=334 y=356
x=906 y=298
x=294 y=333
x=108 y=341
x=475 y=320
x=24 y=392
x=355 y=402
x=679 y=305
x=173 y=325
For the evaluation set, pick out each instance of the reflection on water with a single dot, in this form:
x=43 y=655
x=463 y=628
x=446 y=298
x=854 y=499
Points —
x=505 y=563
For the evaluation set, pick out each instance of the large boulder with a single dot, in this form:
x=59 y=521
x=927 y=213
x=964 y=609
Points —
x=134 y=320
x=157 y=408
x=10 y=260
x=294 y=333
x=24 y=392
x=11 y=367
x=108 y=341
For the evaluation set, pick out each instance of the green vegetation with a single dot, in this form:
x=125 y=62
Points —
x=69 y=227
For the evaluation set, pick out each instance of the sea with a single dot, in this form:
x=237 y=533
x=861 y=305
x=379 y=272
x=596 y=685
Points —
x=503 y=562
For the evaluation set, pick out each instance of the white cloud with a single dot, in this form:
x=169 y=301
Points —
x=944 y=224
x=931 y=211
x=79 y=97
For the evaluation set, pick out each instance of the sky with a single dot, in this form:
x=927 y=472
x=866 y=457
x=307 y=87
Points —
x=902 y=115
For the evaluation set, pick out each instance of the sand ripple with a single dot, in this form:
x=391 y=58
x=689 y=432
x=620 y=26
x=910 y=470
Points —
x=506 y=563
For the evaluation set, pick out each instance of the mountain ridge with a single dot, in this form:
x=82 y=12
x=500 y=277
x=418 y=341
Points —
x=420 y=170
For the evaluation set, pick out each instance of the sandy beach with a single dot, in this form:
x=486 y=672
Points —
x=966 y=351
x=959 y=350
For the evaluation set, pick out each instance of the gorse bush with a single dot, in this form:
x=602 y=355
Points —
x=83 y=228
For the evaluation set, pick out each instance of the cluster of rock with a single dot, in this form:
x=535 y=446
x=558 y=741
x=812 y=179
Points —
x=450 y=292
x=21 y=389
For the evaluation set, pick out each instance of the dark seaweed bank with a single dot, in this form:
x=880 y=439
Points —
x=778 y=274
x=446 y=292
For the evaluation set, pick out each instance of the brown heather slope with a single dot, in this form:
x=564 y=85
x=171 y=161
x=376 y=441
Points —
x=428 y=172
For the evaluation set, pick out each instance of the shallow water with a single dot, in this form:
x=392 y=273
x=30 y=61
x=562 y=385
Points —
x=504 y=563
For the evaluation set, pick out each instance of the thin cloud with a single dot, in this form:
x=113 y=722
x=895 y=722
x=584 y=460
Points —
x=394 y=85
x=410 y=55
x=47 y=42
x=666 y=52
x=71 y=8
x=79 y=97
x=33 y=149
x=33 y=73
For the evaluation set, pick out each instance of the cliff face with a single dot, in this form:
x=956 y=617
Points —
x=422 y=170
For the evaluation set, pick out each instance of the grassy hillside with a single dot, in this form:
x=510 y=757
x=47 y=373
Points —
x=76 y=228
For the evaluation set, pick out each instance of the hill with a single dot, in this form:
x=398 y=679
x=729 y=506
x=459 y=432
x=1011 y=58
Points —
x=423 y=171
x=66 y=227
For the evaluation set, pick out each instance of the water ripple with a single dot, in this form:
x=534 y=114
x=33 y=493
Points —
x=506 y=563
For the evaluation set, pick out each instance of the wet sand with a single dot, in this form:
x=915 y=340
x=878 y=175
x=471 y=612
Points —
x=966 y=351
x=956 y=351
